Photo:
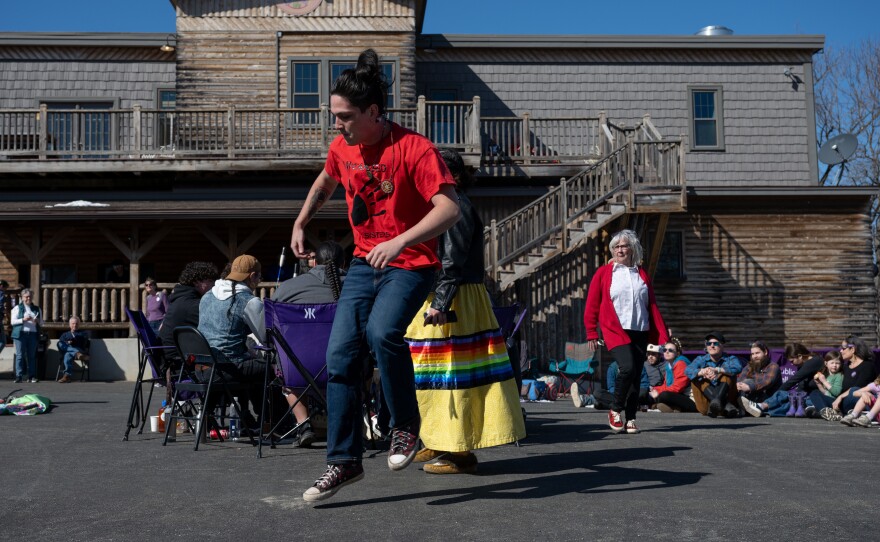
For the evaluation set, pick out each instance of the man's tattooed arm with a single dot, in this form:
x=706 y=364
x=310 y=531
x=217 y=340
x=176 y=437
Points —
x=318 y=198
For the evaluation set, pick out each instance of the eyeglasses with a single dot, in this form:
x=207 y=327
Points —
x=664 y=350
x=713 y=343
x=622 y=247
x=842 y=348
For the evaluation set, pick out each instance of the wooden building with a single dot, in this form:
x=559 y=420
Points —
x=113 y=148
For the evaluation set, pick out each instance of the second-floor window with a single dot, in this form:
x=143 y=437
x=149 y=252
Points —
x=79 y=127
x=166 y=99
x=312 y=79
x=706 y=118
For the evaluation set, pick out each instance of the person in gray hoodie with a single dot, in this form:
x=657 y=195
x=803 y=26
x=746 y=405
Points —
x=228 y=313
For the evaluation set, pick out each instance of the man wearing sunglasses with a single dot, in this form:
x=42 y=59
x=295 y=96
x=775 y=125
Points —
x=713 y=378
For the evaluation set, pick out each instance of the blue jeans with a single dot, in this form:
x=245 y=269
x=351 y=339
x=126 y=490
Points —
x=374 y=310
x=777 y=404
x=26 y=353
x=70 y=353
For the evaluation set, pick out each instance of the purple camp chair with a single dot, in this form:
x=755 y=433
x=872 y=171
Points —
x=149 y=353
x=299 y=335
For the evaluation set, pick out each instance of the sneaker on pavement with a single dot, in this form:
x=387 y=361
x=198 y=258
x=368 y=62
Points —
x=810 y=411
x=334 y=478
x=730 y=411
x=848 y=420
x=632 y=428
x=663 y=407
x=862 y=421
x=576 y=396
x=750 y=407
x=615 y=421
x=34 y=380
x=64 y=379
x=830 y=414
x=306 y=436
x=404 y=445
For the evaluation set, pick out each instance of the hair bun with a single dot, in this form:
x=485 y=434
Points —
x=368 y=65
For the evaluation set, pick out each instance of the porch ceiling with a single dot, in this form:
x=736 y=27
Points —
x=157 y=209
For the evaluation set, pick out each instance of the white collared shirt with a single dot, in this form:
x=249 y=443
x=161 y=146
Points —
x=629 y=294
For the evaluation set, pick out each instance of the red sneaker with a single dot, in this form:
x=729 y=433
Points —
x=615 y=421
x=632 y=428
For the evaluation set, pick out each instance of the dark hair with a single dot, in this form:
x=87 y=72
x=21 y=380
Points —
x=755 y=367
x=365 y=84
x=459 y=171
x=4 y=284
x=195 y=272
x=226 y=270
x=796 y=350
x=149 y=280
x=332 y=257
x=862 y=350
x=830 y=355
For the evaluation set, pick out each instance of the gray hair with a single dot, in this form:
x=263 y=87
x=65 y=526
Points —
x=25 y=292
x=633 y=240
x=74 y=317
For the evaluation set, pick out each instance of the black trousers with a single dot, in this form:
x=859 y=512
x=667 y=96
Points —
x=677 y=400
x=630 y=360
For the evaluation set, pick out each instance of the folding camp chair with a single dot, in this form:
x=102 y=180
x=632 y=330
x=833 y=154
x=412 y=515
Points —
x=299 y=334
x=579 y=364
x=149 y=353
x=196 y=353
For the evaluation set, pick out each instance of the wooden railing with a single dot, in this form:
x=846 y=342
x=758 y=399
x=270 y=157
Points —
x=541 y=140
x=566 y=205
x=228 y=132
x=100 y=306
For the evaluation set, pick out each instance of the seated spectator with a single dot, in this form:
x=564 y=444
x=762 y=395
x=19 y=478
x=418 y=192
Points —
x=654 y=369
x=601 y=399
x=73 y=345
x=779 y=404
x=712 y=379
x=157 y=304
x=321 y=284
x=858 y=372
x=829 y=381
x=671 y=394
x=867 y=398
x=228 y=313
x=760 y=378
x=183 y=310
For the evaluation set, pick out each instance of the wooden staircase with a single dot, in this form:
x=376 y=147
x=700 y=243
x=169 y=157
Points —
x=643 y=173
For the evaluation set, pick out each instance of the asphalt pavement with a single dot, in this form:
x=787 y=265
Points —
x=68 y=475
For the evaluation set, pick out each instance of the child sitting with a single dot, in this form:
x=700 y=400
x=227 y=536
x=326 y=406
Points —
x=867 y=397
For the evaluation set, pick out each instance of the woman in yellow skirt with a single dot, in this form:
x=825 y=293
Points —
x=464 y=379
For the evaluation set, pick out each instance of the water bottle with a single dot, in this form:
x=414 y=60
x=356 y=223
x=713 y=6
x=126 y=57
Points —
x=234 y=430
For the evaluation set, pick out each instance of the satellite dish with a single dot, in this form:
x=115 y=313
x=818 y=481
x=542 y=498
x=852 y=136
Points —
x=838 y=150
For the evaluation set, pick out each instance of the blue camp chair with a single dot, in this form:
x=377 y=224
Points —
x=579 y=365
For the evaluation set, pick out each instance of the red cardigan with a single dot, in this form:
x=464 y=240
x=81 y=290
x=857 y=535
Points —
x=600 y=310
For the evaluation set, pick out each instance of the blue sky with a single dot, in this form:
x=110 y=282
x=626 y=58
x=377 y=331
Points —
x=842 y=22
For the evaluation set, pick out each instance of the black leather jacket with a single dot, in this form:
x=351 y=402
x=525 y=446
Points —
x=461 y=254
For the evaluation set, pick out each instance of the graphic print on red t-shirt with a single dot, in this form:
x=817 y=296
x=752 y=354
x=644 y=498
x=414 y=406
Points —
x=389 y=190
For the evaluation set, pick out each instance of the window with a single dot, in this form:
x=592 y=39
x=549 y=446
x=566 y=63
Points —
x=443 y=127
x=670 y=266
x=706 y=118
x=166 y=100
x=79 y=126
x=312 y=79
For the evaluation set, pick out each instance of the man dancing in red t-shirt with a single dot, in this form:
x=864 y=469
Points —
x=400 y=197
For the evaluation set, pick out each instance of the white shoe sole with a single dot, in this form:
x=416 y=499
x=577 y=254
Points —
x=319 y=496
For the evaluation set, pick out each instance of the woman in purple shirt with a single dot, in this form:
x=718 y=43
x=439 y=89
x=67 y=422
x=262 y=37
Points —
x=157 y=304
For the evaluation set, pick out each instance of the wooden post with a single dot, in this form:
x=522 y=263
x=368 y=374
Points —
x=230 y=126
x=42 y=118
x=657 y=245
x=324 y=119
x=526 y=139
x=563 y=213
x=493 y=248
x=421 y=116
x=136 y=128
x=682 y=179
x=603 y=140
x=476 y=139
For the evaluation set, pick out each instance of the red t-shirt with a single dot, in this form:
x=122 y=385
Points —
x=407 y=172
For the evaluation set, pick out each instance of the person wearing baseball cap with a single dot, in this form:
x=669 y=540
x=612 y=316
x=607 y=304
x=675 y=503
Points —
x=228 y=313
x=713 y=379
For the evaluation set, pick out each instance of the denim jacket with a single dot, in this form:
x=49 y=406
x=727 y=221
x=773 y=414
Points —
x=224 y=322
x=729 y=364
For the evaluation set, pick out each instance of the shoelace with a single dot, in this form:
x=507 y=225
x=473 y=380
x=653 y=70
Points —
x=330 y=475
x=401 y=439
x=616 y=417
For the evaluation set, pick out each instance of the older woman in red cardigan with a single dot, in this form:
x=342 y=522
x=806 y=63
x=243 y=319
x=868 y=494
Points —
x=621 y=304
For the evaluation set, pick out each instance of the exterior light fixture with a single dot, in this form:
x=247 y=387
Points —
x=167 y=47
